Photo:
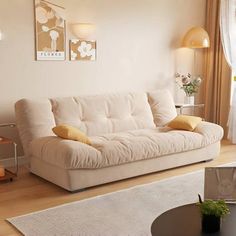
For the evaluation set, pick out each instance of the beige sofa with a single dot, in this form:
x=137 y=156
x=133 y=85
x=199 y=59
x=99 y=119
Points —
x=128 y=135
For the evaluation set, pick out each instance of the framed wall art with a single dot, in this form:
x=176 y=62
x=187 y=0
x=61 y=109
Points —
x=49 y=31
x=220 y=183
x=81 y=49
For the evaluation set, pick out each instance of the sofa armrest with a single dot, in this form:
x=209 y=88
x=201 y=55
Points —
x=66 y=154
x=212 y=132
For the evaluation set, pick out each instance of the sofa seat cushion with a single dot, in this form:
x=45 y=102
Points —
x=124 y=147
x=121 y=148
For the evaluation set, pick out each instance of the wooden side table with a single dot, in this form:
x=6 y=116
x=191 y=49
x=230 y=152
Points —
x=9 y=175
x=182 y=106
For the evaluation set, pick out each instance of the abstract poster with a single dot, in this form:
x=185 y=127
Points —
x=49 y=31
x=81 y=49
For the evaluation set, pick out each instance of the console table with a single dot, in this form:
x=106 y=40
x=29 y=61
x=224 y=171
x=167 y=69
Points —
x=186 y=221
x=182 y=106
x=9 y=175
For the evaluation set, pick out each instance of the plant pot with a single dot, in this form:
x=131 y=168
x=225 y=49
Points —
x=189 y=100
x=210 y=223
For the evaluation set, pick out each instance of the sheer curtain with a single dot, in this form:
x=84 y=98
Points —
x=228 y=36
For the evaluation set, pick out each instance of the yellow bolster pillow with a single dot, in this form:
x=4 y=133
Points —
x=70 y=132
x=184 y=122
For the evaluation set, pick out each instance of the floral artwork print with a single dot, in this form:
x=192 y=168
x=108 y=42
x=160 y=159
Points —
x=82 y=50
x=50 y=31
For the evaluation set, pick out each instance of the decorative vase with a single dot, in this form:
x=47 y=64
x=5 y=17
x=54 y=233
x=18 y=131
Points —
x=189 y=100
x=210 y=223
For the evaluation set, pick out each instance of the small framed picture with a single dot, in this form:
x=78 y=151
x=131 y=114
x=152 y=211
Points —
x=82 y=50
x=220 y=183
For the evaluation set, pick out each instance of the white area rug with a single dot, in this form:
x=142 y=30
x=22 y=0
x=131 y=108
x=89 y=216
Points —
x=124 y=213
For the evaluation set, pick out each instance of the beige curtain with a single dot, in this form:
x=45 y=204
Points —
x=217 y=74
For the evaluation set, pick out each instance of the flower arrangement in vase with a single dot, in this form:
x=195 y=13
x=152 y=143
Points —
x=189 y=84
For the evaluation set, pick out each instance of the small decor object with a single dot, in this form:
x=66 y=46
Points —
x=82 y=50
x=71 y=133
x=189 y=100
x=220 y=183
x=212 y=213
x=2 y=171
x=189 y=84
x=49 y=31
x=184 y=122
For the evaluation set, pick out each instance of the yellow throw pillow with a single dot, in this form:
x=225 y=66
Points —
x=185 y=122
x=70 y=132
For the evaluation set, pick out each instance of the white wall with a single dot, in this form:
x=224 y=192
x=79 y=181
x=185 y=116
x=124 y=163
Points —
x=136 y=40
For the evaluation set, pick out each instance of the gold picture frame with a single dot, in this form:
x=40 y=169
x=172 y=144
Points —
x=49 y=31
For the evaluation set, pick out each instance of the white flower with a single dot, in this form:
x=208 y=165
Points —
x=73 y=55
x=85 y=49
x=74 y=41
x=179 y=81
x=45 y=28
x=93 y=54
x=54 y=34
x=185 y=80
x=198 y=81
x=41 y=15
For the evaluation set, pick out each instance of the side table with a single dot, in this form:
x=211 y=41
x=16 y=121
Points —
x=9 y=175
x=182 y=106
x=186 y=221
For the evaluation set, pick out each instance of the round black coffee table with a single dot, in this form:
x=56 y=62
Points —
x=186 y=221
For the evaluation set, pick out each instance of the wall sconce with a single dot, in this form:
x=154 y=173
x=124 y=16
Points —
x=83 y=30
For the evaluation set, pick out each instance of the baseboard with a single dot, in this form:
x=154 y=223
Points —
x=10 y=162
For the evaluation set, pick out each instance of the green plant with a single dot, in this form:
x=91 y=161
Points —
x=216 y=208
x=189 y=84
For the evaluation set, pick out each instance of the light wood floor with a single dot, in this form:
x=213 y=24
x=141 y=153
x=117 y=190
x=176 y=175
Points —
x=29 y=193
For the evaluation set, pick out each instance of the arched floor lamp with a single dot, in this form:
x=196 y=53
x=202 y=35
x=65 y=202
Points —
x=196 y=38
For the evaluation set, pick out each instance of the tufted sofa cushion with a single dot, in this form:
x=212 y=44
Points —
x=123 y=147
x=101 y=114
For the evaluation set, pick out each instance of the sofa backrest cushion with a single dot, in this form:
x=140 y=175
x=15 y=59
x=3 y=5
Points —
x=101 y=114
x=163 y=106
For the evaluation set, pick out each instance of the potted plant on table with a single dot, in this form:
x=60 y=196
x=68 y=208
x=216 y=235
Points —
x=189 y=84
x=212 y=213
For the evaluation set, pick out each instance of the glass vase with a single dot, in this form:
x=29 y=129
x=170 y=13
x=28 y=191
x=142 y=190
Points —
x=189 y=99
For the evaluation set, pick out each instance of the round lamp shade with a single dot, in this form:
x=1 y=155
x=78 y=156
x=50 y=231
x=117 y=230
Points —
x=196 y=37
x=83 y=30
